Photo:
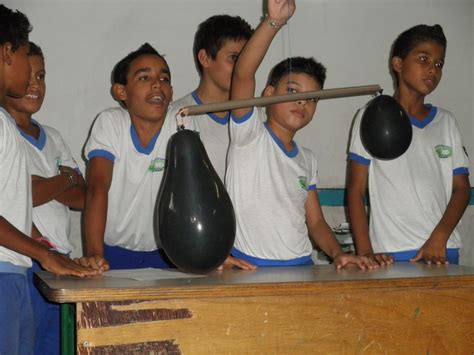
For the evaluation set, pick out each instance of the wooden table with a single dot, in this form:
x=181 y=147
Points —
x=401 y=309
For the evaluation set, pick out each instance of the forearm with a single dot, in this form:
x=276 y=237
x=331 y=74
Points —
x=95 y=217
x=11 y=238
x=455 y=209
x=74 y=197
x=254 y=51
x=47 y=189
x=323 y=236
x=359 y=222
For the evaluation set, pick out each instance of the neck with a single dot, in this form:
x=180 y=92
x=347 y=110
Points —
x=146 y=130
x=413 y=103
x=209 y=94
x=284 y=135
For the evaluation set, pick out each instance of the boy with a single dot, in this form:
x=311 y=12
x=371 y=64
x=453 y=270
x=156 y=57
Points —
x=128 y=144
x=217 y=44
x=16 y=248
x=56 y=186
x=127 y=152
x=417 y=199
x=272 y=180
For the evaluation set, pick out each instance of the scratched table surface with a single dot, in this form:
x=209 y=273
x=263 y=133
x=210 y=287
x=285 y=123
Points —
x=264 y=280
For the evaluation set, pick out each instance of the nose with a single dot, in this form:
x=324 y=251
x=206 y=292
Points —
x=302 y=102
x=156 y=83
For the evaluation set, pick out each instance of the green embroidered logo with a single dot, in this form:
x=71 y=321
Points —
x=303 y=182
x=58 y=162
x=157 y=164
x=443 y=151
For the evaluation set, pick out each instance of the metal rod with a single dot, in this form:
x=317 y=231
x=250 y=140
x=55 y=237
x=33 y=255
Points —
x=270 y=100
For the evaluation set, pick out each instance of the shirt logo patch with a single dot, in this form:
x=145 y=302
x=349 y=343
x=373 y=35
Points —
x=303 y=182
x=58 y=162
x=156 y=165
x=443 y=151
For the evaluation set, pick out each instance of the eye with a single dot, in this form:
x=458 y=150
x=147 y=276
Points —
x=143 y=77
x=233 y=57
x=41 y=77
x=423 y=58
x=439 y=65
x=291 y=90
x=165 y=79
x=313 y=100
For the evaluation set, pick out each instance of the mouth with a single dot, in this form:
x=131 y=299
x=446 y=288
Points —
x=32 y=96
x=298 y=113
x=156 y=99
x=430 y=82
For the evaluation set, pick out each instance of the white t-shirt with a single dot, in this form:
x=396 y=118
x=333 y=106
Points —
x=409 y=195
x=15 y=185
x=269 y=186
x=46 y=154
x=136 y=180
x=213 y=130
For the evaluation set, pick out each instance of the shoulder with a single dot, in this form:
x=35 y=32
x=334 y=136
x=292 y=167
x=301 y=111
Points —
x=115 y=116
x=186 y=100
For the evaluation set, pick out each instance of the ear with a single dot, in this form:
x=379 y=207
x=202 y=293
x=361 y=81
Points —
x=119 y=92
x=269 y=90
x=397 y=64
x=7 y=52
x=204 y=58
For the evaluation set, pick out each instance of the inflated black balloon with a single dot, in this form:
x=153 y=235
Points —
x=195 y=216
x=385 y=129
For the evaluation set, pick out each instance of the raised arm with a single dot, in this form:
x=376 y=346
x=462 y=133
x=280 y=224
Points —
x=243 y=80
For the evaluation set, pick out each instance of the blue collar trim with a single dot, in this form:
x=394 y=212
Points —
x=290 y=153
x=426 y=120
x=220 y=120
x=38 y=143
x=136 y=141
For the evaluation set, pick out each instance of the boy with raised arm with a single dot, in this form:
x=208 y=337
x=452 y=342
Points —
x=271 y=179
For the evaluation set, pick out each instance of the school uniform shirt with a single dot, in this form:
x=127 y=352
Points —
x=46 y=154
x=15 y=186
x=409 y=195
x=213 y=131
x=268 y=185
x=137 y=175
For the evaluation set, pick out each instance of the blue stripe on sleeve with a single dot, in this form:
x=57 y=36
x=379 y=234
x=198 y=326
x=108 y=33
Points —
x=102 y=154
x=312 y=187
x=357 y=158
x=461 y=171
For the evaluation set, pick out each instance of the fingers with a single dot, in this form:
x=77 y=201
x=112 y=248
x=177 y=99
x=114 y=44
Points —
x=94 y=262
x=241 y=264
x=383 y=259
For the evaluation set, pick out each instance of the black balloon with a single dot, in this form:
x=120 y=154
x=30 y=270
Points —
x=385 y=129
x=195 y=216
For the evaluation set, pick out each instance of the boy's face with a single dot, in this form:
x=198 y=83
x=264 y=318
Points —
x=292 y=116
x=32 y=101
x=148 y=91
x=219 y=70
x=421 y=70
x=17 y=69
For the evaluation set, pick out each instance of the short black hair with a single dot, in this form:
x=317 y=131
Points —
x=410 y=38
x=35 y=50
x=120 y=71
x=298 y=65
x=212 y=33
x=14 y=27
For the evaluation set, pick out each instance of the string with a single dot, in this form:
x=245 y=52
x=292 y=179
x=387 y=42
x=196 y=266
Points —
x=288 y=33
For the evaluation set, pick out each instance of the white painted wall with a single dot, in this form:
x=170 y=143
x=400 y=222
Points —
x=83 y=39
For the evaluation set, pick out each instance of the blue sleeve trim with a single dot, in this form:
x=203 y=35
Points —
x=357 y=158
x=461 y=171
x=312 y=187
x=243 y=118
x=102 y=154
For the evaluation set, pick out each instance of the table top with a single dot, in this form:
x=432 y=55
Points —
x=263 y=281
